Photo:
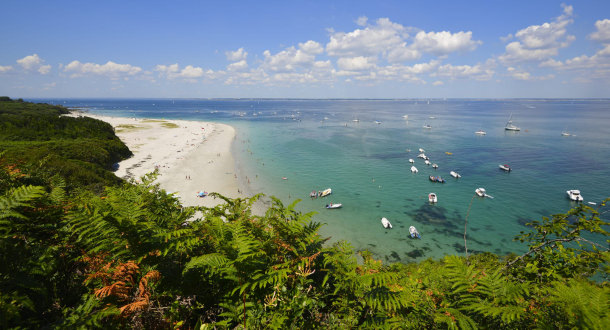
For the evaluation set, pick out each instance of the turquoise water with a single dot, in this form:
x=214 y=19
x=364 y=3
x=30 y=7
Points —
x=316 y=144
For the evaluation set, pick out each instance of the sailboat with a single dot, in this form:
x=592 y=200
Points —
x=510 y=126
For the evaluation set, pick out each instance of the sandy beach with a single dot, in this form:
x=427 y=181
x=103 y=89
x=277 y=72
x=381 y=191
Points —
x=191 y=156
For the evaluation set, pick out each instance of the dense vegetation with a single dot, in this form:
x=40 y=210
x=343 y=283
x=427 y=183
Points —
x=81 y=150
x=131 y=256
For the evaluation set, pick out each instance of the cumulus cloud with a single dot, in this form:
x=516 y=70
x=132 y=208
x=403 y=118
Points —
x=603 y=31
x=236 y=56
x=292 y=58
x=238 y=66
x=520 y=74
x=173 y=71
x=356 y=63
x=480 y=71
x=540 y=42
x=392 y=41
x=438 y=83
x=110 y=69
x=34 y=63
x=4 y=69
x=369 y=41
x=444 y=42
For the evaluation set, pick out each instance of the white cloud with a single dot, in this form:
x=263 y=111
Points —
x=370 y=41
x=358 y=63
x=238 y=66
x=311 y=47
x=291 y=58
x=362 y=20
x=438 y=83
x=479 y=71
x=390 y=41
x=519 y=74
x=4 y=69
x=540 y=42
x=402 y=53
x=603 y=31
x=596 y=66
x=34 y=62
x=110 y=69
x=173 y=71
x=236 y=56
x=444 y=42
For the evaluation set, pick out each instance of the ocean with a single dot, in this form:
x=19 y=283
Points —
x=361 y=149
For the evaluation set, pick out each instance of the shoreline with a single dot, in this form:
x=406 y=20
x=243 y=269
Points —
x=191 y=156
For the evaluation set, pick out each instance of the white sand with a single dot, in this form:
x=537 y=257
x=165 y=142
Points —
x=194 y=156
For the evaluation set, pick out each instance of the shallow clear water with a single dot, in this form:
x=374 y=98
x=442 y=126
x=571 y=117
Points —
x=316 y=144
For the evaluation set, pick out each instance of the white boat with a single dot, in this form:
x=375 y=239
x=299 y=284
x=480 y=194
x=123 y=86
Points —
x=377 y=122
x=427 y=126
x=411 y=160
x=480 y=132
x=574 y=195
x=386 y=223
x=564 y=133
x=414 y=169
x=427 y=162
x=481 y=192
x=326 y=192
x=432 y=198
x=505 y=167
x=510 y=126
x=334 y=206
x=421 y=150
x=406 y=117
x=356 y=120
x=422 y=155
x=434 y=166
x=414 y=233
x=455 y=174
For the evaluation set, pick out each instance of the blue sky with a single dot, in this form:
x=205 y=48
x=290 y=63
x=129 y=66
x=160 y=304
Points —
x=309 y=49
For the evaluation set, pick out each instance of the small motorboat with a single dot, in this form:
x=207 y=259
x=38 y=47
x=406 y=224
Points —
x=432 y=178
x=414 y=169
x=421 y=150
x=432 y=198
x=326 y=192
x=480 y=132
x=439 y=179
x=313 y=194
x=386 y=223
x=505 y=167
x=574 y=195
x=427 y=126
x=414 y=233
x=422 y=155
x=481 y=192
x=434 y=166
x=377 y=122
x=510 y=126
x=455 y=174
x=334 y=206
x=411 y=160
x=427 y=162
